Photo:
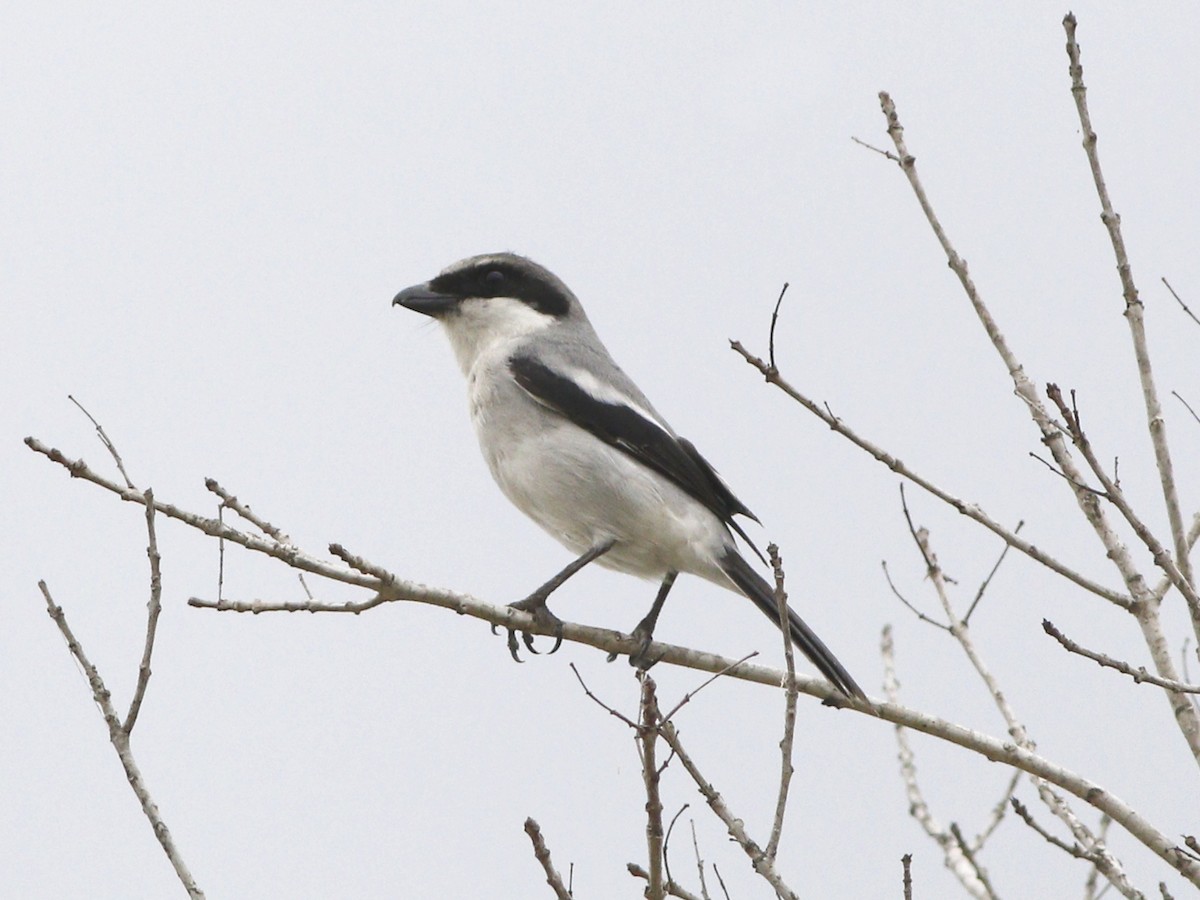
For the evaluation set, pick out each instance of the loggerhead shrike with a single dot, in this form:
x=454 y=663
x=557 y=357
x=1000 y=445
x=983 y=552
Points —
x=576 y=446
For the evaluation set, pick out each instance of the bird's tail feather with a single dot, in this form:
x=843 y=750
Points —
x=756 y=588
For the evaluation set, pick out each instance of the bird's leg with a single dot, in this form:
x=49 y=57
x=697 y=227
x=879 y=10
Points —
x=535 y=603
x=644 y=632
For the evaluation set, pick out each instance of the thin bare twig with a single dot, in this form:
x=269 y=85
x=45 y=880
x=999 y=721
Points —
x=1162 y=557
x=980 y=871
x=970 y=510
x=542 y=854
x=699 y=861
x=1139 y=675
x=888 y=154
x=992 y=574
x=153 y=608
x=687 y=698
x=918 y=808
x=1027 y=817
x=774 y=319
x=667 y=839
x=1134 y=314
x=232 y=502
x=1191 y=315
x=899 y=596
x=787 y=742
x=120 y=741
x=764 y=866
x=109 y=445
x=906 y=865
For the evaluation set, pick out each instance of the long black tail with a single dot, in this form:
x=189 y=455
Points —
x=756 y=588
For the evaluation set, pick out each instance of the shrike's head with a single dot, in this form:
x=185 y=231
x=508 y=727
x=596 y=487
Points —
x=493 y=300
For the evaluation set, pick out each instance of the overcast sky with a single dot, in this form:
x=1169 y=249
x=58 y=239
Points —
x=206 y=210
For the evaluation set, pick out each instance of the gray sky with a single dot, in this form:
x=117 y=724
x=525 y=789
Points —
x=206 y=213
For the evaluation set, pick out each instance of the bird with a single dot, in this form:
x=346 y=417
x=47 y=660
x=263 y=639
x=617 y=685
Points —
x=576 y=446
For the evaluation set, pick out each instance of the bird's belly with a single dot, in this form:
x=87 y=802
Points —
x=585 y=492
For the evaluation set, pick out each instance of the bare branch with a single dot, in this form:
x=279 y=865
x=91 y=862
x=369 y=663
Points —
x=648 y=732
x=1114 y=494
x=992 y=574
x=120 y=741
x=1134 y=314
x=899 y=596
x=230 y=501
x=1191 y=315
x=735 y=826
x=109 y=445
x=789 y=714
x=885 y=153
x=979 y=870
x=1027 y=817
x=1179 y=397
x=153 y=608
x=699 y=861
x=996 y=749
x=970 y=510
x=542 y=853
x=774 y=319
x=918 y=808
x=1139 y=675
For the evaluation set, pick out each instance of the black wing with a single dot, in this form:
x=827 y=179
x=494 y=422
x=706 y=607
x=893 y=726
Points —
x=623 y=426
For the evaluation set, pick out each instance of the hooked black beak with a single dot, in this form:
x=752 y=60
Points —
x=420 y=298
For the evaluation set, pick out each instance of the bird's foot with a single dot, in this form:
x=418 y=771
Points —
x=535 y=605
x=641 y=658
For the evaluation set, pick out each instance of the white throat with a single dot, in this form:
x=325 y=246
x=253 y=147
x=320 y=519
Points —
x=480 y=327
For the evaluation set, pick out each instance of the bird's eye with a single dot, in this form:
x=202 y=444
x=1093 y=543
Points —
x=494 y=278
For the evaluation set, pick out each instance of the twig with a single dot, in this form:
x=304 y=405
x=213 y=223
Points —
x=109 y=445
x=1178 y=397
x=120 y=741
x=983 y=587
x=1139 y=675
x=1027 y=817
x=1172 y=568
x=980 y=871
x=774 y=319
x=542 y=853
x=153 y=608
x=1139 y=599
x=998 y=812
x=970 y=510
x=699 y=861
x=612 y=712
x=787 y=742
x=687 y=698
x=1191 y=315
x=230 y=501
x=764 y=866
x=906 y=864
x=918 y=808
x=667 y=839
x=885 y=153
x=1134 y=313
x=647 y=737
x=899 y=596
x=721 y=881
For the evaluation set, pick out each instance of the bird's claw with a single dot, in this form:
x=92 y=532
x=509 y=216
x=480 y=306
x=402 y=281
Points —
x=640 y=658
x=535 y=605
